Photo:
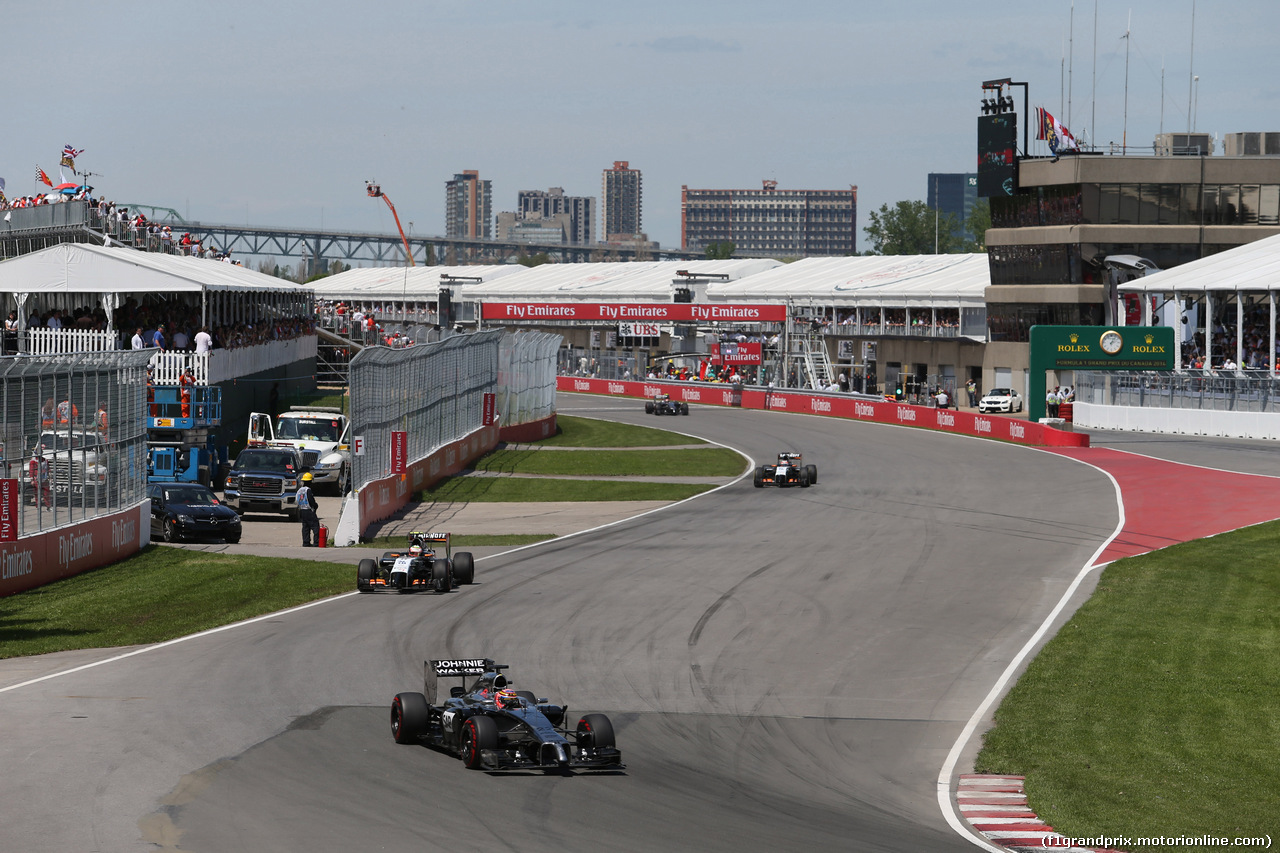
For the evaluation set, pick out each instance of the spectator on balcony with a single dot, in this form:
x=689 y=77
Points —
x=55 y=319
x=137 y=342
x=181 y=342
x=157 y=339
x=204 y=342
x=11 y=333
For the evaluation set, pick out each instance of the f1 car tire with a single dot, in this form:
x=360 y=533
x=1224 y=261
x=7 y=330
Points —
x=757 y=479
x=648 y=407
x=478 y=734
x=364 y=574
x=409 y=717
x=464 y=568
x=595 y=732
x=804 y=478
x=442 y=575
x=684 y=408
x=813 y=474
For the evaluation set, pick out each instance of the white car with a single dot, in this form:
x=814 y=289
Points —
x=1000 y=400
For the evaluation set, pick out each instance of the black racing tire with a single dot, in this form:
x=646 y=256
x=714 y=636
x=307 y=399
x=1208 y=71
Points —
x=464 y=568
x=410 y=716
x=757 y=479
x=169 y=531
x=804 y=478
x=595 y=732
x=365 y=573
x=813 y=474
x=442 y=575
x=478 y=733
x=684 y=408
x=648 y=407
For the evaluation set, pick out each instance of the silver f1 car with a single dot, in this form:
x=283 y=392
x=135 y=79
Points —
x=418 y=566
x=490 y=726
x=790 y=471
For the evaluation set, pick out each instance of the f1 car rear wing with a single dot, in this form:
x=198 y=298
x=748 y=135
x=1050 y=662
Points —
x=428 y=540
x=459 y=668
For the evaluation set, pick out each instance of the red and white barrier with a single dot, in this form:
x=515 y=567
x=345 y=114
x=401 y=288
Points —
x=43 y=558
x=836 y=406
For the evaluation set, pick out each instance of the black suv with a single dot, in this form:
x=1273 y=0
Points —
x=265 y=479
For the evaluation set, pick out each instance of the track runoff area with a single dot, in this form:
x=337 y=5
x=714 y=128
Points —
x=784 y=668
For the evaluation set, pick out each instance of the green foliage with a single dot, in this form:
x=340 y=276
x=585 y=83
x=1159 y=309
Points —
x=719 y=250
x=977 y=223
x=912 y=228
x=534 y=260
x=1156 y=709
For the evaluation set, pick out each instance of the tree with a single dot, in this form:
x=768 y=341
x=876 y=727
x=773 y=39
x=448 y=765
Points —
x=913 y=228
x=719 y=250
x=977 y=224
x=533 y=260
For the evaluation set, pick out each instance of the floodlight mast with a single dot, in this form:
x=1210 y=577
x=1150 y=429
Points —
x=375 y=191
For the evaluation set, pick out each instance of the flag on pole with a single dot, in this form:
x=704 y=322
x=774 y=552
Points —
x=69 y=155
x=1054 y=132
x=42 y=177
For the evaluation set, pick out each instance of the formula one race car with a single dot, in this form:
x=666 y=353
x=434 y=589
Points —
x=418 y=567
x=662 y=404
x=790 y=471
x=493 y=727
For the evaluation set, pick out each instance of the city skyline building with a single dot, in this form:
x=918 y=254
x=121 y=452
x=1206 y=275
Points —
x=770 y=221
x=468 y=206
x=551 y=204
x=622 y=203
x=954 y=193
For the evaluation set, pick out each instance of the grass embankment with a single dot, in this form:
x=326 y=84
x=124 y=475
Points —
x=594 y=459
x=1156 y=710
x=160 y=594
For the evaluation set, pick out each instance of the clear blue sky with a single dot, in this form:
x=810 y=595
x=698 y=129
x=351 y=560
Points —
x=275 y=113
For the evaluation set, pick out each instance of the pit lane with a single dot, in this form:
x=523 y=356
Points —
x=785 y=668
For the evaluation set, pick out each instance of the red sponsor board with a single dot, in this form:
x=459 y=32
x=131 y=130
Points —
x=838 y=406
x=400 y=451
x=732 y=353
x=8 y=510
x=489 y=411
x=656 y=312
x=43 y=558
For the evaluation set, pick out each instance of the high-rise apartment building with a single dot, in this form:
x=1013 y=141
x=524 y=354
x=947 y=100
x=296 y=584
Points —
x=621 y=196
x=770 y=221
x=954 y=193
x=468 y=206
x=539 y=205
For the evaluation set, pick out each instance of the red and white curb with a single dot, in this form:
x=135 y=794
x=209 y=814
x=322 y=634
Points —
x=996 y=806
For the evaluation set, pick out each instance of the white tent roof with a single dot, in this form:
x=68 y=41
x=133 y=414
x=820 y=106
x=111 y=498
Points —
x=594 y=282
x=413 y=283
x=889 y=280
x=1253 y=266
x=84 y=268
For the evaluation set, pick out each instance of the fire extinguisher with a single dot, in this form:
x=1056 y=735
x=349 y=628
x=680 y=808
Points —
x=322 y=541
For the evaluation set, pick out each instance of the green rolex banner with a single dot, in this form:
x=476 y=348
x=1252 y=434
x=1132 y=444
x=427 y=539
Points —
x=1095 y=348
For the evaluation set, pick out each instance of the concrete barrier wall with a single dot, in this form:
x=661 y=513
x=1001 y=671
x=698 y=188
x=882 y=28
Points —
x=66 y=551
x=835 y=406
x=1179 y=421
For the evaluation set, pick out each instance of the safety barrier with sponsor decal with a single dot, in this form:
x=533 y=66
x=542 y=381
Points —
x=43 y=558
x=836 y=406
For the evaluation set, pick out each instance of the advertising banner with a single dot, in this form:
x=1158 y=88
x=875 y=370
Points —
x=399 y=451
x=655 y=312
x=8 y=510
x=489 y=409
x=733 y=353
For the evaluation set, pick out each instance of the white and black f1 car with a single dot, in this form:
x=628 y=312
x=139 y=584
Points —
x=418 y=567
x=790 y=471
x=490 y=726
x=662 y=404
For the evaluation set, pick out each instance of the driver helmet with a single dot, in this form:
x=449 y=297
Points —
x=415 y=549
x=507 y=698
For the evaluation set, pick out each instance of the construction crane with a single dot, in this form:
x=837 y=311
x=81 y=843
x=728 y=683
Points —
x=375 y=191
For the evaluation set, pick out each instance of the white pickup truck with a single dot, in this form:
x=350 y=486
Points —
x=321 y=433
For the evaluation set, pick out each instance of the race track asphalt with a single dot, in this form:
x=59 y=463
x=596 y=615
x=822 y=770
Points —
x=786 y=669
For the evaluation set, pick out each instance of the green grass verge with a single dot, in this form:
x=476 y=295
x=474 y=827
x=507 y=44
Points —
x=160 y=594
x=712 y=462
x=518 y=490
x=469 y=540
x=585 y=432
x=1156 y=709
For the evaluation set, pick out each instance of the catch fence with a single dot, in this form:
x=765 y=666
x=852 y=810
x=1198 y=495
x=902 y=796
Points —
x=1243 y=391
x=73 y=435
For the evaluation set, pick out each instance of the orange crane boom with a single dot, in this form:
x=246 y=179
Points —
x=375 y=191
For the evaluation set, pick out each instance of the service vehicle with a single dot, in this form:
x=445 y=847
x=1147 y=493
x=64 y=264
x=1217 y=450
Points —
x=426 y=562
x=492 y=726
x=662 y=404
x=190 y=511
x=320 y=433
x=789 y=471
x=1000 y=400
x=265 y=479
x=81 y=470
x=182 y=442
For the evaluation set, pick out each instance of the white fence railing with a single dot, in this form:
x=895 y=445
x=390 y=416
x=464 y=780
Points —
x=65 y=341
